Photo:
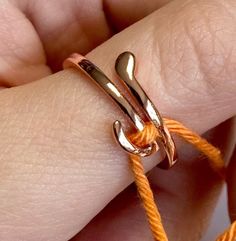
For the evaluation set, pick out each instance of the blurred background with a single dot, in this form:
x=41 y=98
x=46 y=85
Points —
x=220 y=220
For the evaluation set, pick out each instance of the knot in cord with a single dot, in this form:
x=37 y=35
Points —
x=146 y=136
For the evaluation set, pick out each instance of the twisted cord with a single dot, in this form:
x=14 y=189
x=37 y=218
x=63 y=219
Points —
x=229 y=234
x=143 y=186
x=148 y=135
x=211 y=152
x=146 y=195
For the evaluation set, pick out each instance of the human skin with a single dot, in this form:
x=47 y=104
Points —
x=59 y=163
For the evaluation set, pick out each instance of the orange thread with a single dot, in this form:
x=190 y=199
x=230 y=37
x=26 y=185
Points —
x=148 y=135
x=147 y=198
x=229 y=234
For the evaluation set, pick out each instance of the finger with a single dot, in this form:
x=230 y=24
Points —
x=122 y=15
x=186 y=195
x=79 y=26
x=231 y=180
x=58 y=159
x=22 y=57
x=25 y=57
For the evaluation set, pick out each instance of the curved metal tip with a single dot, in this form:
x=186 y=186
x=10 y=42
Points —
x=130 y=147
x=124 y=55
x=125 y=65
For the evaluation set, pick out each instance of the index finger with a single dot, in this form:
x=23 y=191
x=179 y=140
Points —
x=58 y=158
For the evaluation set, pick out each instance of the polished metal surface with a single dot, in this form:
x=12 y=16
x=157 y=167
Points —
x=111 y=89
x=125 y=66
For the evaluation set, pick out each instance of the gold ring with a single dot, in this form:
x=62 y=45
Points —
x=125 y=67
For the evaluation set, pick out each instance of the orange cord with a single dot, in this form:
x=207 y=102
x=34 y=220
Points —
x=229 y=234
x=148 y=135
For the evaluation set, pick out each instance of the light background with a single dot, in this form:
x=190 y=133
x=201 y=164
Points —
x=220 y=219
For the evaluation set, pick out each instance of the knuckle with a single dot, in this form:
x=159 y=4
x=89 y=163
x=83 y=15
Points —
x=201 y=52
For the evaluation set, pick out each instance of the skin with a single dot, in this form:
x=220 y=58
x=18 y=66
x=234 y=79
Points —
x=59 y=164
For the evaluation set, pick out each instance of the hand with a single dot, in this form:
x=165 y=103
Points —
x=59 y=165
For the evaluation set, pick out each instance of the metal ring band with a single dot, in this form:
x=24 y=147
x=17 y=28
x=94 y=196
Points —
x=125 y=66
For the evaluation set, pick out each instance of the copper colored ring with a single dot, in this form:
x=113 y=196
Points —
x=125 y=66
